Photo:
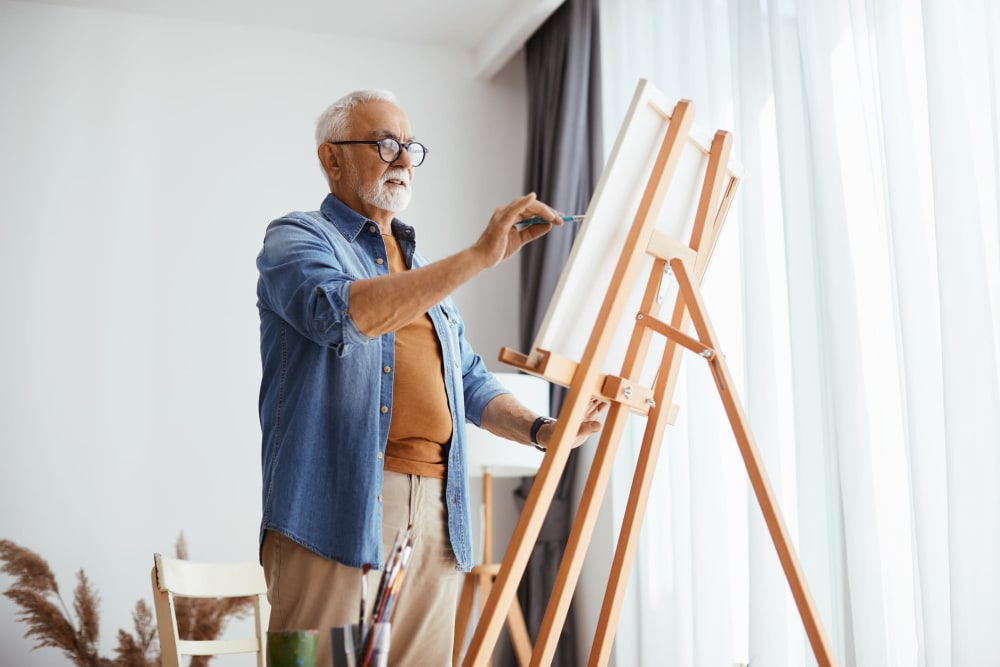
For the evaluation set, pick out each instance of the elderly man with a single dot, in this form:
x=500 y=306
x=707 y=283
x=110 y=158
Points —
x=367 y=383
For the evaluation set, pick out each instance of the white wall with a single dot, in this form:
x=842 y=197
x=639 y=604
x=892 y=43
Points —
x=140 y=160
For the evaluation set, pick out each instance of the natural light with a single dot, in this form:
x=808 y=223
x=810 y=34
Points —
x=856 y=290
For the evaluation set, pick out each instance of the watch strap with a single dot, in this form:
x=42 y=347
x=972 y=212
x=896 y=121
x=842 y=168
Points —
x=541 y=421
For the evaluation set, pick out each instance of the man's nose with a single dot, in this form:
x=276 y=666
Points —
x=405 y=160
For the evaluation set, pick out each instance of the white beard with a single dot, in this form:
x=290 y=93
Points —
x=392 y=198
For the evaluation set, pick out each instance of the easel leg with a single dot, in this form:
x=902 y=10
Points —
x=703 y=236
x=528 y=527
x=756 y=473
x=596 y=486
x=579 y=538
x=635 y=509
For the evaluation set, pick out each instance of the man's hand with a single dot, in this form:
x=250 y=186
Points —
x=588 y=427
x=502 y=238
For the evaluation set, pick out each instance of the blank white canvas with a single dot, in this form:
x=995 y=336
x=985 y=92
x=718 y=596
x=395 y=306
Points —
x=585 y=281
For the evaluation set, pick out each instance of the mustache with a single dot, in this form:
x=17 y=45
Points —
x=396 y=174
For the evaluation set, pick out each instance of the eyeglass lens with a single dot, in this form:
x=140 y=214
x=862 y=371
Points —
x=389 y=150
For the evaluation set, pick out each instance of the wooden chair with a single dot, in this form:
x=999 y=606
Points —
x=172 y=578
x=483 y=576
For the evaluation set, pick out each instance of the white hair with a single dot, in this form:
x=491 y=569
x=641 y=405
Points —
x=332 y=123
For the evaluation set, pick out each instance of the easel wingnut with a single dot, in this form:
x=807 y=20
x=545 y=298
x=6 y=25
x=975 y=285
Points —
x=628 y=392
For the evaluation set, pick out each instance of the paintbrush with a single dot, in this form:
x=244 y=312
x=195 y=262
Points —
x=364 y=595
x=543 y=221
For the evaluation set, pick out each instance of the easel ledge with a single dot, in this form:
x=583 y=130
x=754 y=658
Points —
x=561 y=370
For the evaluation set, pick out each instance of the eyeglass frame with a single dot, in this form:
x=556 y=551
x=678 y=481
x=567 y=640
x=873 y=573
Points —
x=399 y=150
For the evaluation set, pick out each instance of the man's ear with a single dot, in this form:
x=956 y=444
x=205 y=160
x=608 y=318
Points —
x=330 y=158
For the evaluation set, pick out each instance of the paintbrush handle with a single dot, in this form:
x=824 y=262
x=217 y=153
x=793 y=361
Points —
x=543 y=221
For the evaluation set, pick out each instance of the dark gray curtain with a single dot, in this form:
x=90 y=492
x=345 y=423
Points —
x=565 y=158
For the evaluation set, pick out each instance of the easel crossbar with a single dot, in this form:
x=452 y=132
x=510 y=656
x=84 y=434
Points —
x=674 y=334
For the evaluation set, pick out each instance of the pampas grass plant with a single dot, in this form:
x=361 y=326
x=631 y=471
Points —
x=51 y=624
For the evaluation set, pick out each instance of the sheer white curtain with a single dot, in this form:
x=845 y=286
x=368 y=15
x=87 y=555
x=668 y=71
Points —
x=857 y=294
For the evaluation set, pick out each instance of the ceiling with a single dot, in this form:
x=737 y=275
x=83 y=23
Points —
x=492 y=30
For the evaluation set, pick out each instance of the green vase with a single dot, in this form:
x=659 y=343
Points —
x=292 y=648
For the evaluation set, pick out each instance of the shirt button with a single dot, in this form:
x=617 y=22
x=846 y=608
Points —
x=386 y=369
x=380 y=455
x=385 y=409
x=372 y=229
x=380 y=261
x=380 y=498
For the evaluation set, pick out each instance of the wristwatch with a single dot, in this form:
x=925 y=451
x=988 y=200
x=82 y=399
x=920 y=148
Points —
x=539 y=423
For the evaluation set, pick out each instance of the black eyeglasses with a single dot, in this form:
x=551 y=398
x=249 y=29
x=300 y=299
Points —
x=390 y=149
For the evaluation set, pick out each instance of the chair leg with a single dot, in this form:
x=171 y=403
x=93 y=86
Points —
x=485 y=586
x=516 y=624
x=519 y=636
x=464 y=613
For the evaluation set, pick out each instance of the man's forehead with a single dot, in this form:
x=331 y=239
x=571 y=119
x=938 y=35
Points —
x=380 y=118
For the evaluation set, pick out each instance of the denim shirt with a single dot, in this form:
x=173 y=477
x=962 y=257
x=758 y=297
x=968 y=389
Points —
x=326 y=392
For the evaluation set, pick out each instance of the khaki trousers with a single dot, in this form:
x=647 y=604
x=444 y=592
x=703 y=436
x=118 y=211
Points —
x=307 y=591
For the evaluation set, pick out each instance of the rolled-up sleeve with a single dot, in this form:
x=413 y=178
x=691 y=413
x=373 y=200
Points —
x=304 y=281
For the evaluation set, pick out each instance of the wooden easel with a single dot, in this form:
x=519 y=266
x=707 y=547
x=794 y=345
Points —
x=585 y=379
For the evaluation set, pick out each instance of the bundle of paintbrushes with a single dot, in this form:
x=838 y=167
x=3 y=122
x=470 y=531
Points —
x=371 y=641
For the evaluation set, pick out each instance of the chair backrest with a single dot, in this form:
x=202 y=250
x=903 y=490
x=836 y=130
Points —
x=174 y=578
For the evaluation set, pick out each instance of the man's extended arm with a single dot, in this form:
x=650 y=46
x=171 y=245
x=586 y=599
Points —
x=383 y=304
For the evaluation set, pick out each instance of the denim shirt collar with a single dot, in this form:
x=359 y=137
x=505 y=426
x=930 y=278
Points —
x=350 y=223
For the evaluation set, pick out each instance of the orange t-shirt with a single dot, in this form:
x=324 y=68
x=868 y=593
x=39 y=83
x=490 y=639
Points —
x=420 y=427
